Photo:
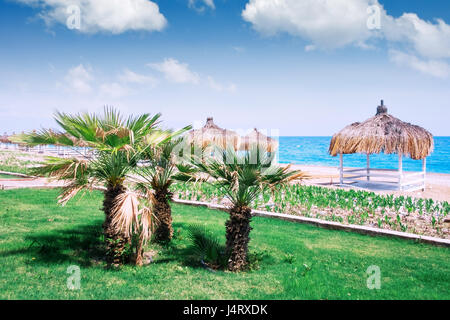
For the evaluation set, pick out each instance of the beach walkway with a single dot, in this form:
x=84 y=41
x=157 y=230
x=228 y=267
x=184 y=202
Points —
x=29 y=183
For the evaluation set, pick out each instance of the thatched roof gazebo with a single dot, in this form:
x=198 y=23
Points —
x=5 y=138
x=213 y=134
x=257 y=138
x=387 y=134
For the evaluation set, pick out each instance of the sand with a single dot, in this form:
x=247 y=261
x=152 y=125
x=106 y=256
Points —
x=437 y=184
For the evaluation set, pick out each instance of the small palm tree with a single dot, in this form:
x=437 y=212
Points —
x=117 y=144
x=133 y=218
x=159 y=173
x=243 y=178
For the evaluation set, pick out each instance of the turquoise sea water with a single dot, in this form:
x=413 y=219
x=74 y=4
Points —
x=314 y=151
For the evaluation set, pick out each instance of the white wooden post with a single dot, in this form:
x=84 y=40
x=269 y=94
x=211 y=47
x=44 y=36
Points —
x=400 y=171
x=341 y=169
x=424 y=171
x=368 y=167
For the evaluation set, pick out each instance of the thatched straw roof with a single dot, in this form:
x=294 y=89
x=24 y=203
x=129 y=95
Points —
x=4 y=138
x=383 y=133
x=257 y=138
x=213 y=134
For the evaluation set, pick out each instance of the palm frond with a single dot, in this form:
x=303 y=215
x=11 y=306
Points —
x=147 y=224
x=69 y=192
x=243 y=176
x=131 y=216
x=186 y=173
x=126 y=213
x=112 y=168
x=206 y=247
x=63 y=169
x=43 y=137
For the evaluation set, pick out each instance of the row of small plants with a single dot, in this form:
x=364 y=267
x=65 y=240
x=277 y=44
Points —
x=400 y=213
x=13 y=161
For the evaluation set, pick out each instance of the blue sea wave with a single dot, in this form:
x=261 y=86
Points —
x=314 y=151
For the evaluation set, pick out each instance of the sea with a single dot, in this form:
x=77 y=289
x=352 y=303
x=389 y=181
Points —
x=314 y=151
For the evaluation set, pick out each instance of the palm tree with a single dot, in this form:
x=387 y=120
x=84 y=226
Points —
x=118 y=144
x=243 y=178
x=160 y=172
x=133 y=218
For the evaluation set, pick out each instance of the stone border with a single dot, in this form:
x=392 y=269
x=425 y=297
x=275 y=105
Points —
x=328 y=224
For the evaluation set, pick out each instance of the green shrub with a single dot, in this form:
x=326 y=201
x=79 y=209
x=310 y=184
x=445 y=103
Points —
x=206 y=247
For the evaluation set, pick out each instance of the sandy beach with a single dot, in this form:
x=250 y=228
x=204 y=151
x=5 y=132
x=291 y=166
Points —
x=437 y=184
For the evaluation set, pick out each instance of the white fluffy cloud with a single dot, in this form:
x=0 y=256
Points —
x=178 y=72
x=82 y=80
x=114 y=90
x=437 y=68
x=200 y=5
x=78 y=79
x=430 y=40
x=115 y=16
x=175 y=71
x=420 y=44
x=128 y=76
x=328 y=24
x=127 y=83
x=213 y=84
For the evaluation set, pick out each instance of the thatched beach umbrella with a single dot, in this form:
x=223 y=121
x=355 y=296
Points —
x=383 y=133
x=213 y=134
x=257 y=138
x=4 y=138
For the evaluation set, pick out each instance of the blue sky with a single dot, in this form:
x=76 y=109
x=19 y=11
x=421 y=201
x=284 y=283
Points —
x=247 y=63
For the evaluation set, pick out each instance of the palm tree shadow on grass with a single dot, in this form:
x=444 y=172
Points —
x=171 y=251
x=81 y=245
x=174 y=251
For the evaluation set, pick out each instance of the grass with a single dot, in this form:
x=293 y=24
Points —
x=8 y=176
x=39 y=241
x=18 y=162
x=357 y=207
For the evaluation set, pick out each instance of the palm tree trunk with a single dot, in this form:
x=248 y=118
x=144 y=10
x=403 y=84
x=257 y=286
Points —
x=238 y=236
x=115 y=242
x=140 y=252
x=163 y=213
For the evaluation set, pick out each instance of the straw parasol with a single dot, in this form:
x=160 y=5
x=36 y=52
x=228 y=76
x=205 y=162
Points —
x=387 y=134
x=4 y=138
x=257 y=138
x=383 y=133
x=213 y=134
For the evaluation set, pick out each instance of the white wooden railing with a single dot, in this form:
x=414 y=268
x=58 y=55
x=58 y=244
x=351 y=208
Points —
x=406 y=181
x=59 y=151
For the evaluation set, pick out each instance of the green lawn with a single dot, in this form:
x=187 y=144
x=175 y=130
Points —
x=39 y=240
x=8 y=176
